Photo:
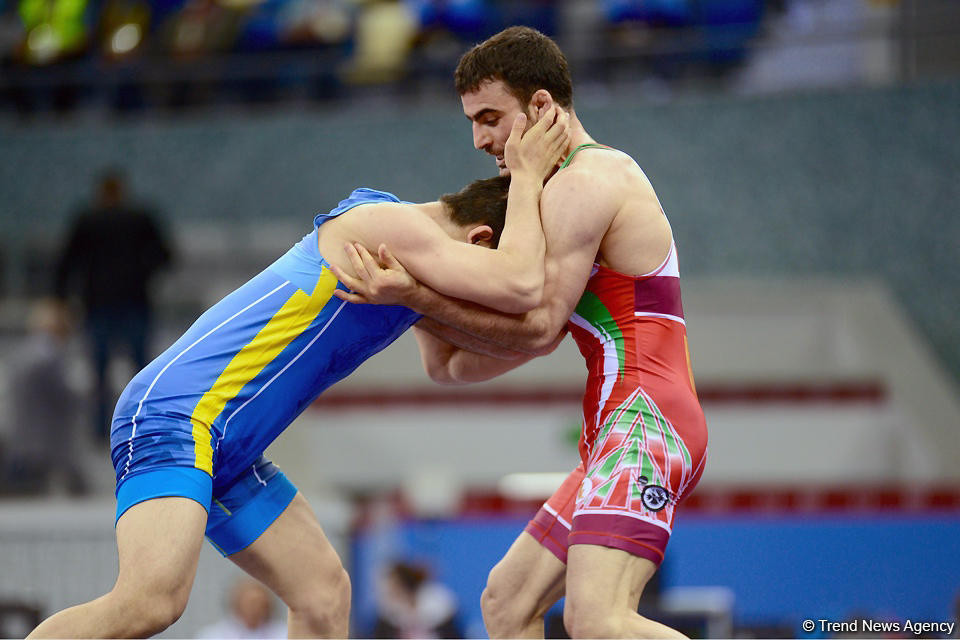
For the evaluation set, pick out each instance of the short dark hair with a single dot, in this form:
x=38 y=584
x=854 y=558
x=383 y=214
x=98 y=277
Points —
x=524 y=59
x=480 y=202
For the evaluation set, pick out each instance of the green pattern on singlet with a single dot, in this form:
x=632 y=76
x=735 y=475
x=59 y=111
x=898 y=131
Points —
x=591 y=308
x=587 y=145
x=675 y=443
x=605 y=488
x=653 y=426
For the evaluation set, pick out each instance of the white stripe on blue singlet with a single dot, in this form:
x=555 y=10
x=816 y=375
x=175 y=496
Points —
x=146 y=393
x=277 y=375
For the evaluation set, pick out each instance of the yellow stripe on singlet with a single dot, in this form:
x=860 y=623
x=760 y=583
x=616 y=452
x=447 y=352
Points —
x=287 y=323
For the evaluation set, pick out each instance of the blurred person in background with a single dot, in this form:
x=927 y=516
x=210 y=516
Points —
x=41 y=436
x=412 y=604
x=190 y=429
x=113 y=251
x=613 y=281
x=315 y=24
x=201 y=28
x=250 y=615
x=198 y=30
x=123 y=27
x=53 y=30
x=385 y=32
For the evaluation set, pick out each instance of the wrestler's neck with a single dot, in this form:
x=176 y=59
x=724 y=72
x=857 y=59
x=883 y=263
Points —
x=578 y=135
x=437 y=212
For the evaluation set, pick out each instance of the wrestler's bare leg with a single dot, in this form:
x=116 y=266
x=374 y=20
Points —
x=520 y=589
x=159 y=543
x=296 y=561
x=603 y=591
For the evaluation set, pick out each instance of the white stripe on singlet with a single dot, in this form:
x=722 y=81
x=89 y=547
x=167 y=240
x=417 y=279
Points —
x=277 y=375
x=146 y=393
x=650 y=314
x=257 y=475
x=556 y=515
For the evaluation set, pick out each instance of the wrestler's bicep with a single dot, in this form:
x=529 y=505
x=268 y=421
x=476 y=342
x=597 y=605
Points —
x=573 y=226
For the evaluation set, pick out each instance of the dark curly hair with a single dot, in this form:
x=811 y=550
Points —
x=524 y=59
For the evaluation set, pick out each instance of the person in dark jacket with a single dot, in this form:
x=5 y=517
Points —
x=113 y=251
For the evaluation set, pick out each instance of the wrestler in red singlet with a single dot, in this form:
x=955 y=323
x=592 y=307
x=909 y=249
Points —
x=644 y=438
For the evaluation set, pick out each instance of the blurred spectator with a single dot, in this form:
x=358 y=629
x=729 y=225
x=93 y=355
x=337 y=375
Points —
x=411 y=605
x=124 y=25
x=53 y=30
x=112 y=253
x=198 y=30
x=315 y=23
x=679 y=38
x=202 y=27
x=446 y=27
x=41 y=438
x=467 y=19
x=250 y=615
x=385 y=33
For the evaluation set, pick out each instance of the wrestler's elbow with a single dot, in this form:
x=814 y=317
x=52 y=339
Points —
x=436 y=365
x=527 y=300
x=441 y=374
x=539 y=335
x=524 y=293
x=462 y=373
x=457 y=378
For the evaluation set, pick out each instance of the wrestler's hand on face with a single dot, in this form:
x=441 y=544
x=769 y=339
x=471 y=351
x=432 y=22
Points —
x=383 y=282
x=537 y=152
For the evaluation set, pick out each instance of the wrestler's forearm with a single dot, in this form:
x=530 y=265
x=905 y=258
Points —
x=446 y=363
x=525 y=332
x=467 y=341
x=468 y=366
x=522 y=238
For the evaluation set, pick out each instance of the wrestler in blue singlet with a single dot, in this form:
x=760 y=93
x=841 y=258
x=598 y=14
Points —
x=196 y=421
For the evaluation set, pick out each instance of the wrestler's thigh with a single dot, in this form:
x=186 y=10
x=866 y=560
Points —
x=158 y=543
x=603 y=579
x=293 y=556
x=530 y=576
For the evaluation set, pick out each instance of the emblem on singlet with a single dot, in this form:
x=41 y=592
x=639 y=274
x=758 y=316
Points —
x=585 y=488
x=655 y=497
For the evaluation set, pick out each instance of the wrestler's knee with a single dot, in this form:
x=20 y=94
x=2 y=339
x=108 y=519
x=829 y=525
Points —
x=323 y=605
x=147 y=613
x=506 y=610
x=499 y=617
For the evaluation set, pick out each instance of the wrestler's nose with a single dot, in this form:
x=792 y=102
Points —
x=481 y=139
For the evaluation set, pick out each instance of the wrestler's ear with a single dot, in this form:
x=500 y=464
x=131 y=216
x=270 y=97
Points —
x=540 y=103
x=481 y=235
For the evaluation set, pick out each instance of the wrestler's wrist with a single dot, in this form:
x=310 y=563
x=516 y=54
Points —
x=418 y=298
x=526 y=180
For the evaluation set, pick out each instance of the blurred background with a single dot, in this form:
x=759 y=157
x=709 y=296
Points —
x=805 y=151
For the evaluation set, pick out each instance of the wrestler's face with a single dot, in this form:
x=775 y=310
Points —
x=492 y=109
